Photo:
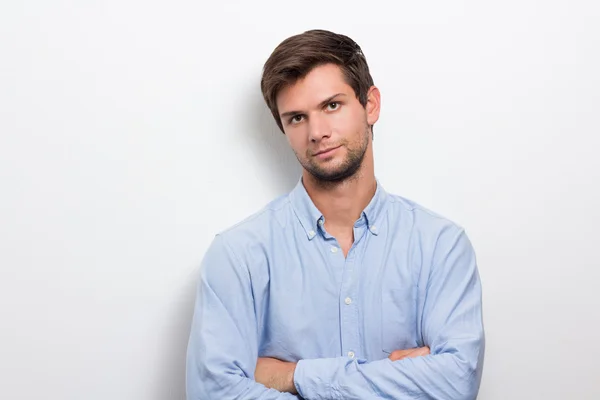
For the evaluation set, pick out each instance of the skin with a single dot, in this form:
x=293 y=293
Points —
x=319 y=113
x=342 y=123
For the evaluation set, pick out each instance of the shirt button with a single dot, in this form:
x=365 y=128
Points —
x=351 y=354
x=321 y=222
x=334 y=249
x=311 y=233
x=348 y=300
x=373 y=228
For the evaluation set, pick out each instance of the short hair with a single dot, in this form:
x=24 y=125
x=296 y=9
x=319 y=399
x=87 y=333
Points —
x=298 y=55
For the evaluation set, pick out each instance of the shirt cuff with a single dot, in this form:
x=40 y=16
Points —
x=315 y=379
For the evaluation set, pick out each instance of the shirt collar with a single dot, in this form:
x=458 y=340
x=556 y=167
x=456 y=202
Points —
x=309 y=215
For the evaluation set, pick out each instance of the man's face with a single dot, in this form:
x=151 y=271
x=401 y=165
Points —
x=325 y=124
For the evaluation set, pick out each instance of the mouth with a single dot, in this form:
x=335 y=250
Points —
x=327 y=152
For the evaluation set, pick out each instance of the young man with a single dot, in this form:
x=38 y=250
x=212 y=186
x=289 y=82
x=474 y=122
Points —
x=337 y=290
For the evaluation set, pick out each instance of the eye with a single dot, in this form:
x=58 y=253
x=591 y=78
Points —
x=333 y=106
x=296 y=119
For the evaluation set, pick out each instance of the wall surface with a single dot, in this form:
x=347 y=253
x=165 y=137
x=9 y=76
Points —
x=133 y=131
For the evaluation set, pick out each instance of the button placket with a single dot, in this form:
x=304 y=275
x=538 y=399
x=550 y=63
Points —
x=348 y=307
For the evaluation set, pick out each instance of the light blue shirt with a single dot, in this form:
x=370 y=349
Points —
x=278 y=285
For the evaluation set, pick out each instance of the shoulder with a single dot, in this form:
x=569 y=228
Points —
x=421 y=218
x=273 y=218
x=432 y=238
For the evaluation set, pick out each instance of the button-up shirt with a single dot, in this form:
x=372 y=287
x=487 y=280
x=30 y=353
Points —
x=278 y=285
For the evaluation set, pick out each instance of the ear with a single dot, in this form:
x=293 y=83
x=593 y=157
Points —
x=373 y=105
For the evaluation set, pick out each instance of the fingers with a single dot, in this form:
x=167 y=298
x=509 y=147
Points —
x=420 y=352
x=409 y=353
x=400 y=354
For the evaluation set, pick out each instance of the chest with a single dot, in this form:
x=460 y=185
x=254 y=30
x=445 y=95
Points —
x=318 y=302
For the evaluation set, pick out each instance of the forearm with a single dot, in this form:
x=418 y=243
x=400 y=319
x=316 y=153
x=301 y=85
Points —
x=443 y=376
x=222 y=348
x=215 y=371
x=230 y=387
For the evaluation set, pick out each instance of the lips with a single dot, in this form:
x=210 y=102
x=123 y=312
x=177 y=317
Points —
x=326 y=151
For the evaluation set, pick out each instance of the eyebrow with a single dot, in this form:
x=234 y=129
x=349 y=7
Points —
x=321 y=105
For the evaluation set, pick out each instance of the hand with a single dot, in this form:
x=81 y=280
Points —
x=409 y=353
x=276 y=374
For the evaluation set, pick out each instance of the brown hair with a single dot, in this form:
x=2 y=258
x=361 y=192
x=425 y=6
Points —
x=297 y=55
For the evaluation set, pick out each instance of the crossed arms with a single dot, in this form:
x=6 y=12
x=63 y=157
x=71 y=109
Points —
x=223 y=361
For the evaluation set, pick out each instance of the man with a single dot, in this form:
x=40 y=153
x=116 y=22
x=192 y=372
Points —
x=337 y=290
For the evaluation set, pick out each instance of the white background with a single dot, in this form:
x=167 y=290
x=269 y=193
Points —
x=133 y=131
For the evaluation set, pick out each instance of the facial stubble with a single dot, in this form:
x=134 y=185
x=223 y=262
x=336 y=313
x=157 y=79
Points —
x=346 y=170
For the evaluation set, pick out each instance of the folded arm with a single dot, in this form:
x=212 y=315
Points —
x=223 y=345
x=452 y=329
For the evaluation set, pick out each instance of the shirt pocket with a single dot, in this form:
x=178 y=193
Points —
x=399 y=319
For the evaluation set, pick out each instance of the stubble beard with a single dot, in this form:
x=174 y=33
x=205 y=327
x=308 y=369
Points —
x=346 y=171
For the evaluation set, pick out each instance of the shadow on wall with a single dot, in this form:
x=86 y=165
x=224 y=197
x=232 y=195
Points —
x=277 y=165
x=277 y=162
x=171 y=386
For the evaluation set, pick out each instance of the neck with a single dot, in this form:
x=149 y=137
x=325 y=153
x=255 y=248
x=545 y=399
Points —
x=342 y=202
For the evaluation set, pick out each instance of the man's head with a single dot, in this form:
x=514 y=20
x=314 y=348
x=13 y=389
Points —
x=319 y=89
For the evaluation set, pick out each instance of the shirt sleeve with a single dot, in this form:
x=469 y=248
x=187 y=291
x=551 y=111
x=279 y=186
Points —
x=223 y=346
x=452 y=328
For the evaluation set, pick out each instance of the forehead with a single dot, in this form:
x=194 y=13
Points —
x=319 y=84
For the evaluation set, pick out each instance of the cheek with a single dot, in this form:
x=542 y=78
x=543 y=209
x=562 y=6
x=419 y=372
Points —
x=348 y=121
x=297 y=140
x=339 y=122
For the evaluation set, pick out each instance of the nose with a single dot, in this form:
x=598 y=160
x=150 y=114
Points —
x=318 y=128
